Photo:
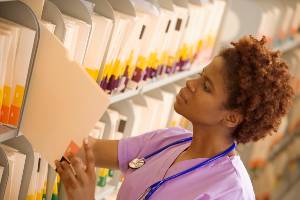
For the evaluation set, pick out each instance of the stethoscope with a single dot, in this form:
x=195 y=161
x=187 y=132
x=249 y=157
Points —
x=139 y=162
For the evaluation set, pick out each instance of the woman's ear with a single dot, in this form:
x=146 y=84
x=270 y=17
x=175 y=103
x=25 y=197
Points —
x=232 y=119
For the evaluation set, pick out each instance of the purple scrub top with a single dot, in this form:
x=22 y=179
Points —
x=224 y=179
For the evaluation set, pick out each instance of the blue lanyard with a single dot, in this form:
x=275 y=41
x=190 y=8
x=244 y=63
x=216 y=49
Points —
x=154 y=187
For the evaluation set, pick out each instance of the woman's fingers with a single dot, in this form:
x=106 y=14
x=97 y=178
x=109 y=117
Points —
x=79 y=168
x=66 y=174
x=90 y=159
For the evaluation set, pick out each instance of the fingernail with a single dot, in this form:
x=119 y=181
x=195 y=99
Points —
x=69 y=154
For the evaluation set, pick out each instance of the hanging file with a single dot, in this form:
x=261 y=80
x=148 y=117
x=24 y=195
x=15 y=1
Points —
x=14 y=32
x=100 y=34
x=22 y=61
x=16 y=162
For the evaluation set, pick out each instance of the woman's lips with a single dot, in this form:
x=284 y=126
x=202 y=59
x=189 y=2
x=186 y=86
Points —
x=180 y=99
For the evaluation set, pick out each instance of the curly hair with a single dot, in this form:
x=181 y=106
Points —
x=258 y=82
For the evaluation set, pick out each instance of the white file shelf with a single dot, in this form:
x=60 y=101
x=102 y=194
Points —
x=103 y=193
x=7 y=133
x=154 y=84
x=126 y=95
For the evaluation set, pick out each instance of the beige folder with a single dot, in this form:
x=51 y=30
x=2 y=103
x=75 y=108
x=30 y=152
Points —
x=63 y=102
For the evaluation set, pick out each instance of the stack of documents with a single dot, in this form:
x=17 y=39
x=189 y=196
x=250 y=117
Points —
x=16 y=161
x=16 y=44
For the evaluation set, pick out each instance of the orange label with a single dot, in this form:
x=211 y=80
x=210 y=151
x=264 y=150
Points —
x=72 y=148
x=4 y=116
x=14 y=115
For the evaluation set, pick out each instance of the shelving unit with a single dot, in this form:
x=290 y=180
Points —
x=7 y=133
x=20 y=13
x=11 y=10
x=157 y=83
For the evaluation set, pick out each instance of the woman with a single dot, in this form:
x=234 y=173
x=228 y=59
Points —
x=239 y=97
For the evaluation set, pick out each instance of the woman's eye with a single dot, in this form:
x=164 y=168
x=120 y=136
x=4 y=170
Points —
x=204 y=83
x=206 y=86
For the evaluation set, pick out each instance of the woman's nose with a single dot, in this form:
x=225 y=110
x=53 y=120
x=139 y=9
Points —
x=189 y=84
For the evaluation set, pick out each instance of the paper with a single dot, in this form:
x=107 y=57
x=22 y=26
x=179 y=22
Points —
x=63 y=103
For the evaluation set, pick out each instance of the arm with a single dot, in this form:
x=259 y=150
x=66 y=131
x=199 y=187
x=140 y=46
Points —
x=105 y=152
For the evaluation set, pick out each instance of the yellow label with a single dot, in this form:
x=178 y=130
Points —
x=39 y=196
x=18 y=96
x=103 y=172
x=164 y=58
x=153 y=60
x=121 y=71
x=93 y=73
x=173 y=123
x=44 y=188
x=6 y=96
x=129 y=64
x=30 y=197
x=116 y=68
x=185 y=52
x=106 y=69
x=170 y=61
x=210 y=41
x=55 y=189
x=142 y=62
x=199 y=46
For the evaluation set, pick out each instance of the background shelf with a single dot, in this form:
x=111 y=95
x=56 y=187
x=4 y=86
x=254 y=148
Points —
x=156 y=83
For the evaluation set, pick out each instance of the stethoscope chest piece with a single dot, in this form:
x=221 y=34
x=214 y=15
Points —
x=136 y=163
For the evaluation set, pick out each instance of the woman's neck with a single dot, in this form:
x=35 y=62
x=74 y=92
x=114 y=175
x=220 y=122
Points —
x=208 y=141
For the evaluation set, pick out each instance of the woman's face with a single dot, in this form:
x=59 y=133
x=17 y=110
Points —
x=202 y=100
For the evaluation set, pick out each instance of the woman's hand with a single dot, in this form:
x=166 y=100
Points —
x=79 y=182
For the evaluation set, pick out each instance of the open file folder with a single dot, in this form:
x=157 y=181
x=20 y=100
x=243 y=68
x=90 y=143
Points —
x=56 y=109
